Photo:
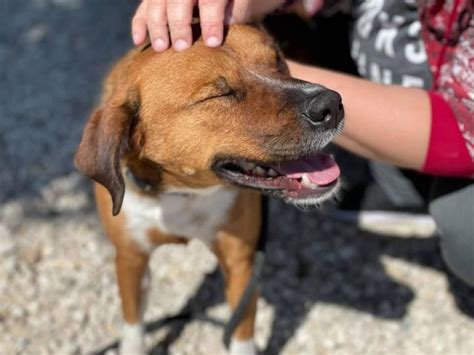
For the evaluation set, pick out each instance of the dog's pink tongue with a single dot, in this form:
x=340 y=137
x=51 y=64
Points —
x=321 y=169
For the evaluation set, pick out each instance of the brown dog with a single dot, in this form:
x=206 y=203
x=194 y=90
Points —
x=176 y=135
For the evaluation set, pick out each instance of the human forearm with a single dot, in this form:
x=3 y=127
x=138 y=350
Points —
x=386 y=123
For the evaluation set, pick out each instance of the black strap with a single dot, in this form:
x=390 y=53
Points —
x=262 y=242
x=254 y=281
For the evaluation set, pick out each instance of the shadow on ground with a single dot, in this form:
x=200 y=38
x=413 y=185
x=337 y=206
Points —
x=53 y=55
x=340 y=266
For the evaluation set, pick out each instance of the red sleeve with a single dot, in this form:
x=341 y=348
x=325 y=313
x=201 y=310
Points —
x=447 y=152
x=448 y=36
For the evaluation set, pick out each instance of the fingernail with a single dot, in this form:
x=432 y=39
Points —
x=180 y=45
x=136 y=38
x=212 y=41
x=312 y=6
x=159 y=44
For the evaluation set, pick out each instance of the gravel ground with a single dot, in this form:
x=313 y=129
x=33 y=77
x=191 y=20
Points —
x=328 y=288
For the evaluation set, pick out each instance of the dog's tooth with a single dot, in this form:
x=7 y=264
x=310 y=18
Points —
x=306 y=182
x=259 y=171
x=247 y=166
x=272 y=173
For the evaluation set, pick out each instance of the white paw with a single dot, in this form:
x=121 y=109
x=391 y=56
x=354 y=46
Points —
x=242 y=347
x=132 y=342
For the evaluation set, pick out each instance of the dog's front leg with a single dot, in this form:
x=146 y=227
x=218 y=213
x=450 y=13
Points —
x=132 y=270
x=236 y=258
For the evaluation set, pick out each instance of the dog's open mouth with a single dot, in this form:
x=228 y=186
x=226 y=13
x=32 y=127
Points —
x=311 y=177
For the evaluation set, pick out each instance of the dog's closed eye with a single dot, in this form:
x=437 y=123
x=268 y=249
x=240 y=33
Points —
x=218 y=89
x=223 y=85
x=223 y=89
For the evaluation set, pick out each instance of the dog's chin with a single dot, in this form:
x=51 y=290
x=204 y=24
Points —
x=305 y=182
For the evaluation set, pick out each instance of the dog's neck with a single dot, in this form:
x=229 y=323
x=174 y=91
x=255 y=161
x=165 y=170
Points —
x=144 y=186
x=178 y=211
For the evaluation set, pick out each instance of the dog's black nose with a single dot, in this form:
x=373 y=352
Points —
x=323 y=109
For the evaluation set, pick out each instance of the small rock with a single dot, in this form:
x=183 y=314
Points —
x=31 y=254
x=7 y=244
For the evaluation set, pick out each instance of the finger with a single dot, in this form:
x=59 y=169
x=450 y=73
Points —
x=157 y=25
x=180 y=13
x=212 y=14
x=238 y=11
x=312 y=6
x=139 y=24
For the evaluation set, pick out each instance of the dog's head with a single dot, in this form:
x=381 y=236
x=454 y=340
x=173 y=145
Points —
x=209 y=116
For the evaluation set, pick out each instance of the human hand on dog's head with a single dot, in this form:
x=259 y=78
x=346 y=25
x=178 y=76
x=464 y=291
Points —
x=170 y=20
x=206 y=117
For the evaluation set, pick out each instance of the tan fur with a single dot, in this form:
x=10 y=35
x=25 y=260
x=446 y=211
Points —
x=153 y=120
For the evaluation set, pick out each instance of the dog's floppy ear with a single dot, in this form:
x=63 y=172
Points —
x=104 y=142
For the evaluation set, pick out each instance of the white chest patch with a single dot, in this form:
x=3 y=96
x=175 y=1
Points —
x=196 y=214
